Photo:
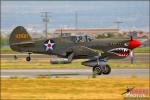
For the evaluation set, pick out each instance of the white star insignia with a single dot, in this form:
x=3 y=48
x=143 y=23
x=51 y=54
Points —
x=49 y=45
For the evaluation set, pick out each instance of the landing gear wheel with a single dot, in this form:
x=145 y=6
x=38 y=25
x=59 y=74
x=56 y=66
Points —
x=97 y=70
x=28 y=58
x=106 y=70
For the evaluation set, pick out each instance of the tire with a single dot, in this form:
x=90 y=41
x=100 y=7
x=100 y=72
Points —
x=97 y=70
x=28 y=58
x=106 y=70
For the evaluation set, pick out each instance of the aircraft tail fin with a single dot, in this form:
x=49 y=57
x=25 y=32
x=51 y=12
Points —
x=19 y=35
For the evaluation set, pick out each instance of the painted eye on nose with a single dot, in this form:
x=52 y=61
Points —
x=125 y=44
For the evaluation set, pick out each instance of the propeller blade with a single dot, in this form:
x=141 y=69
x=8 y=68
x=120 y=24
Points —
x=131 y=53
x=132 y=56
x=131 y=36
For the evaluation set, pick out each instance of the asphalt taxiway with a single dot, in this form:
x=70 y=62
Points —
x=143 y=57
x=124 y=72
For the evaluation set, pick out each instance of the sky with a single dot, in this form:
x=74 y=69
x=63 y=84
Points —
x=91 y=14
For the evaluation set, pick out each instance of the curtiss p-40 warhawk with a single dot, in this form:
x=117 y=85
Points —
x=98 y=51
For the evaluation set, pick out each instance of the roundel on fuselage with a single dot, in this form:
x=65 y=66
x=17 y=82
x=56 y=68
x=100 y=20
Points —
x=49 y=45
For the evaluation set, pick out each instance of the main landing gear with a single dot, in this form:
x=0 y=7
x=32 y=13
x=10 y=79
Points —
x=105 y=69
x=28 y=58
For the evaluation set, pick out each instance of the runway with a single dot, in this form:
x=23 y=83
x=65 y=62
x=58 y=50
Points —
x=143 y=57
x=124 y=72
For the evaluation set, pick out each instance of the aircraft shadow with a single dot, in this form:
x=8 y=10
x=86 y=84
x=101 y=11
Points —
x=59 y=75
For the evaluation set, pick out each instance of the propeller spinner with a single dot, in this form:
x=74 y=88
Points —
x=132 y=45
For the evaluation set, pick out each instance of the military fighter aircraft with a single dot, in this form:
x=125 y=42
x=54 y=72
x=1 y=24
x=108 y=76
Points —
x=98 y=51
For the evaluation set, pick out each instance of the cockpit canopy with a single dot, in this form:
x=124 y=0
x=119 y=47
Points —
x=79 y=38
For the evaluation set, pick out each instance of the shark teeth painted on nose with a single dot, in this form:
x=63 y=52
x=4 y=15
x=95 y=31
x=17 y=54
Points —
x=120 y=51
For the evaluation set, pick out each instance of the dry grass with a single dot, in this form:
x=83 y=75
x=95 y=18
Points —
x=36 y=63
x=68 y=88
x=44 y=63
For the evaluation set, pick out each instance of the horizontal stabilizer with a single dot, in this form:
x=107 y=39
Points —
x=22 y=43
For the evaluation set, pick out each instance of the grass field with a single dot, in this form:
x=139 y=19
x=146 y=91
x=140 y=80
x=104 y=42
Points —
x=141 y=61
x=6 y=50
x=69 y=88
x=142 y=50
x=44 y=63
x=137 y=50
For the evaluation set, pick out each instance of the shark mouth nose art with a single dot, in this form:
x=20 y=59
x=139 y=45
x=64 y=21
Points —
x=120 y=51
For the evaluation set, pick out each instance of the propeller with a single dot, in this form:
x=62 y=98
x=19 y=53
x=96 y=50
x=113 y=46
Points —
x=132 y=45
x=132 y=56
x=131 y=51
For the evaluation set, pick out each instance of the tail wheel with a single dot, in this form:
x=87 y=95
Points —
x=97 y=70
x=106 y=70
x=28 y=58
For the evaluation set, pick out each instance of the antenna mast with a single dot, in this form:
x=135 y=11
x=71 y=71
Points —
x=76 y=21
x=118 y=23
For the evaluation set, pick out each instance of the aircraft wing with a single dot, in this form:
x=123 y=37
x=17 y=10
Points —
x=85 y=51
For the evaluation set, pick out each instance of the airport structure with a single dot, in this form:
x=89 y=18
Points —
x=83 y=31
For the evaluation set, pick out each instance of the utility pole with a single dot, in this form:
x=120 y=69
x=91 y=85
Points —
x=118 y=24
x=46 y=20
x=61 y=32
x=76 y=21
